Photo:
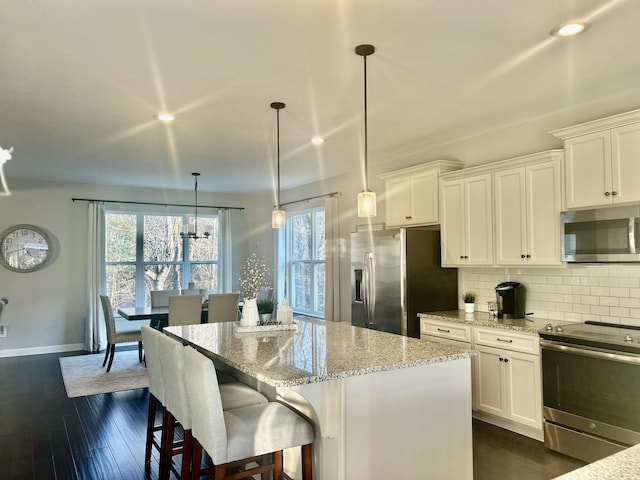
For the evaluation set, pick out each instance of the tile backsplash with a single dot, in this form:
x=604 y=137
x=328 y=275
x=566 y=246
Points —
x=608 y=292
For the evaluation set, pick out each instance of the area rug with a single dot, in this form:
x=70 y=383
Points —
x=84 y=374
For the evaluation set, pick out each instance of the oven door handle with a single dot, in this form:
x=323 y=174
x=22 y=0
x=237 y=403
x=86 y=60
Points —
x=591 y=352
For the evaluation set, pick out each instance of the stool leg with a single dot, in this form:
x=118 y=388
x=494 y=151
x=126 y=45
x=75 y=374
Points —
x=151 y=419
x=106 y=354
x=196 y=460
x=112 y=352
x=277 y=464
x=307 y=462
x=187 y=455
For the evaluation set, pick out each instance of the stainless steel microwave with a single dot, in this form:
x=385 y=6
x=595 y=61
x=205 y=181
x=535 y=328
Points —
x=601 y=235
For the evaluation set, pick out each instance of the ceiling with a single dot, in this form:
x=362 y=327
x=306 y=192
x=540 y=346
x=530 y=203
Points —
x=471 y=80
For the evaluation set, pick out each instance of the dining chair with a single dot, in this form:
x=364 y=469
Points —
x=185 y=309
x=232 y=438
x=114 y=336
x=157 y=397
x=160 y=298
x=223 y=307
x=232 y=395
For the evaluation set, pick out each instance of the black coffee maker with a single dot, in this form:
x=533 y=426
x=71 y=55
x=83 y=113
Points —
x=510 y=297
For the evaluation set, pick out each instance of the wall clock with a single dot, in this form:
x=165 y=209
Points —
x=24 y=248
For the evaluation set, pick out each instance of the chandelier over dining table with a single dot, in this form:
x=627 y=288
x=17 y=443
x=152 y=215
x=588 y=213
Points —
x=191 y=230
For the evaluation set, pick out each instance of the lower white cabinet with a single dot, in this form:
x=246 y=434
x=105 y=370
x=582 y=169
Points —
x=507 y=380
x=507 y=387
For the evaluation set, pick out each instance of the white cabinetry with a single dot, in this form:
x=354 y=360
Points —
x=412 y=193
x=466 y=220
x=445 y=332
x=602 y=161
x=507 y=376
x=527 y=201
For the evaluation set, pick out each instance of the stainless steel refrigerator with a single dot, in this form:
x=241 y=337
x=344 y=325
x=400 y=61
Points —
x=396 y=274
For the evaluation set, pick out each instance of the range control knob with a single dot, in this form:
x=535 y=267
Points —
x=627 y=338
x=559 y=329
x=548 y=327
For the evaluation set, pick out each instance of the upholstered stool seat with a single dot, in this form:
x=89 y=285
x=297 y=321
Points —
x=243 y=435
x=178 y=406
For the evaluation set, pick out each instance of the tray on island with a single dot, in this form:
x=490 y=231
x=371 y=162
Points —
x=264 y=328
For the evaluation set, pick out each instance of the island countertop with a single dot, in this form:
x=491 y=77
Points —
x=316 y=351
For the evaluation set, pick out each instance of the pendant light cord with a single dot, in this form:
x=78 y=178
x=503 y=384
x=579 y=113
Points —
x=366 y=138
x=278 y=136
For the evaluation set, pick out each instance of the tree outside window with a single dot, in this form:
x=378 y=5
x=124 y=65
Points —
x=306 y=261
x=145 y=252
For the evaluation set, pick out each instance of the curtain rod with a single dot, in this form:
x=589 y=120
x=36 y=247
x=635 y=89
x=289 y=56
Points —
x=153 y=203
x=332 y=194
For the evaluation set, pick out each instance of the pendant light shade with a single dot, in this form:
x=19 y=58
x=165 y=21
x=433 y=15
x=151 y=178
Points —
x=367 y=205
x=278 y=217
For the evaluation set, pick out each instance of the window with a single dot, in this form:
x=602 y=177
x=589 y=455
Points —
x=305 y=265
x=145 y=252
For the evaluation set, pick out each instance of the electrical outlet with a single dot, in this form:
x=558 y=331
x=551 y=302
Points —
x=3 y=331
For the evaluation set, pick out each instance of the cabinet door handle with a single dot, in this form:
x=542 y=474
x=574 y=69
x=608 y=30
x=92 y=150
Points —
x=506 y=360
x=501 y=359
x=523 y=256
x=528 y=256
x=606 y=194
x=408 y=217
x=444 y=330
x=614 y=193
x=504 y=340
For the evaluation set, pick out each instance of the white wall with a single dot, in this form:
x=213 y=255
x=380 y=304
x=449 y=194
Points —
x=607 y=293
x=47 y=308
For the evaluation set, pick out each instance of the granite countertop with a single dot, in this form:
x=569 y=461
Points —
x=317 y=351
x=529 y=324
x=624 y=465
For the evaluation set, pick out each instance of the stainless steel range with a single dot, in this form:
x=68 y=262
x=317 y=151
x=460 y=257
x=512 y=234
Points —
x=591 y=388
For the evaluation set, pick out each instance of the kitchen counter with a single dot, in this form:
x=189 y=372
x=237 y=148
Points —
x=529 y=324
x=316 y=352
x=382 y=405
x=624 y=465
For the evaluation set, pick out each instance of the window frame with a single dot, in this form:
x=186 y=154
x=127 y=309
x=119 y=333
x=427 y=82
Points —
x=314 y=263
x=140 y=264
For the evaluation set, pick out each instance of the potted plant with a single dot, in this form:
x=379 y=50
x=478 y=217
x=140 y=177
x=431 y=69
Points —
x=469 y=299
x=265 y=310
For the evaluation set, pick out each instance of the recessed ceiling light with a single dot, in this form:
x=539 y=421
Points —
x=165 y=117
x=317 y=140
x=570 y=29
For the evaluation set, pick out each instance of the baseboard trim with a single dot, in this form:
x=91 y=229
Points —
x=20 y=352
x=509 y=425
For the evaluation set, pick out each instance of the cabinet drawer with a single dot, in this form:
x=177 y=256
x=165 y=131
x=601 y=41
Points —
x=507 y=340
x=446 y=341
x=452 y=331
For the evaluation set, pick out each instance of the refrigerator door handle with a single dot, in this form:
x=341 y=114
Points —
x=368 y=286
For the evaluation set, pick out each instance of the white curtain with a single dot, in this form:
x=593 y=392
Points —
x=95 y=330
x=332 y=259
x=226 y=246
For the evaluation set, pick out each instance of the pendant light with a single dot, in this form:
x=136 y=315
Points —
x=366 y=198
x=278 y=217
x=186 y=231
x=5 y=156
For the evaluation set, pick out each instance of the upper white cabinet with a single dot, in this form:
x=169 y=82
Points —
x=602 y=161
x=466 y=231
x=412 y=193
x=527 y=200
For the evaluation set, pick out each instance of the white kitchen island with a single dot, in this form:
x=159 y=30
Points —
x=383 y=406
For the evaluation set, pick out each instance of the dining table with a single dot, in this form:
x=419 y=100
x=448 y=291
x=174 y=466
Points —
x=158 y=316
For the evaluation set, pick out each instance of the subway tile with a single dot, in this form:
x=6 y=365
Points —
x=590 y=300
x=571 y=280
x=591 y=281
x=571 y=298
x=600 y=291
x=573 y=316
x=619 y=292
x=630 y=302
x=610 y=301
x=629 y=282
x=600 y=310
x=619 y=312
x=581 y=289
x=608 y=282
x=581 y=308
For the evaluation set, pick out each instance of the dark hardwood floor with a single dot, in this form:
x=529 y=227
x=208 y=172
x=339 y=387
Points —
x=45 y=435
